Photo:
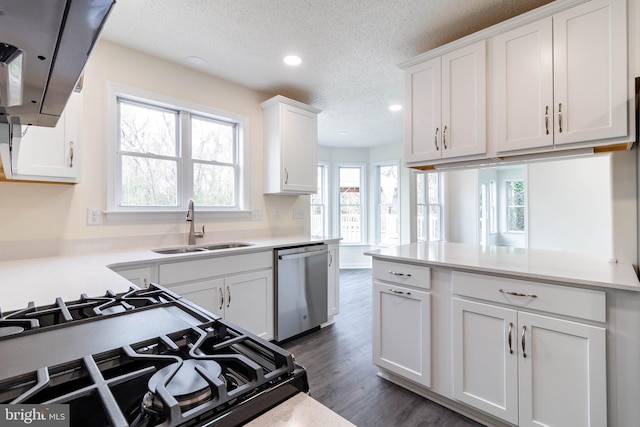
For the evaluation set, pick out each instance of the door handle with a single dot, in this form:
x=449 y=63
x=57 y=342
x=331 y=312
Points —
x=399 y=292
x=509 y=338
x=560 y=117
x=435 y=139
x=524 y=330
x=444 y=137
x=229 y=296
x=221 y=298
x=546 y=119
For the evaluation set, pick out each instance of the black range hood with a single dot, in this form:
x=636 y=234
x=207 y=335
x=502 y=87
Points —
x=44 y=46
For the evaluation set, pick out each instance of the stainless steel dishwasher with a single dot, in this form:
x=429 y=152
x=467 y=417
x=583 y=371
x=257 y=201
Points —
x=300 y=288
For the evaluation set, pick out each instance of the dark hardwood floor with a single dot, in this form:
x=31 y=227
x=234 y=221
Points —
x=341 y=373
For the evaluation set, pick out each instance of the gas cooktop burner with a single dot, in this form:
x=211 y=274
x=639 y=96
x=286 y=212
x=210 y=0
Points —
x=189 y=385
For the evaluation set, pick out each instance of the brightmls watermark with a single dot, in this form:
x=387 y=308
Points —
x=34 y=415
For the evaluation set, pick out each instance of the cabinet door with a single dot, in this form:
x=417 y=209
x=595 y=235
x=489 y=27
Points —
x=208 y=294
x=53 y=153
x=333 y=281
x=249 y=302
x=464 y=101
x=590 y=72
x=523 y=87
x=402 y=331
x=299 y=149
x=485 y=364
x=563 y=376
x=140 y=277
x=423 y=132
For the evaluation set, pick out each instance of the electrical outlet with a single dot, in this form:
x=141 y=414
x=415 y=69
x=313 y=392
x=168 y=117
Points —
x=298 y=213
x=256 y=214
x=276 y=213
x=94 y=216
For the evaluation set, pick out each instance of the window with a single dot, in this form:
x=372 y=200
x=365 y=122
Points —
x=387 y=215
x=319 y=219
x=429 y=206
x=167 y=151
x=515 y=205
x=351 y=192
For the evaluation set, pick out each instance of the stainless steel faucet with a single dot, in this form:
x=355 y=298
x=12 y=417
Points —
x=191 y=217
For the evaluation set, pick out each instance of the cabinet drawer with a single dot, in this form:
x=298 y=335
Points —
x=404 y=274
x=185 y=271
x=575 y=302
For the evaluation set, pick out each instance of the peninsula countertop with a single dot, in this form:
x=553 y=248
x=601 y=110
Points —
x=529 y=264
x=42 y=280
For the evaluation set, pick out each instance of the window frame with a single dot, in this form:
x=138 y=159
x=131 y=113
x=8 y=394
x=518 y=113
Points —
x=185 y=109
x=363 y=202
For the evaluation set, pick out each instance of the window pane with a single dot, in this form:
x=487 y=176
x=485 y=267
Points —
x=213 y=185
x=435 y=213
x=317 y=221
x=317 y=199
x=147 y=130
x=212 y=140
x=422 y=223
x=350 y=224
x=515 y=218
x=421 y=194
x=515 y=205
x=434 y=187
x=350 y=212
x=387 y=232
x=149 y=182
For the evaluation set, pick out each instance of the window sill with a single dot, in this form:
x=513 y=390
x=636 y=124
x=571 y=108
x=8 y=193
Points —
x=174 y=215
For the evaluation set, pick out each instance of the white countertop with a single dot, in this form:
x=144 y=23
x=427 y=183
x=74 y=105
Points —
x=541 y=265
x=300 y=411
x=42 y=280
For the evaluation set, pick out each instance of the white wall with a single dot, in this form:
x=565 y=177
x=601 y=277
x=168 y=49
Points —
x=57 y=213
x=570 y=205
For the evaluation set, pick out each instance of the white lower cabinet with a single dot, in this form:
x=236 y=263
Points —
x=529 y=369
x=224 y=287
x=139 y=276
x=402 y=321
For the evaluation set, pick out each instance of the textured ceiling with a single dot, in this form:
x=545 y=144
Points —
x=350 y=49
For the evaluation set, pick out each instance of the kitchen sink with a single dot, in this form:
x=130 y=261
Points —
x=217 y=247
x=204 y=248
x=183 y=250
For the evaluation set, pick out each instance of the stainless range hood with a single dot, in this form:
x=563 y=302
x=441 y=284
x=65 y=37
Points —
x=44 y=46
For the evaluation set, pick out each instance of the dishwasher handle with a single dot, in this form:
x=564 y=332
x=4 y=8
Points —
x=304 y=254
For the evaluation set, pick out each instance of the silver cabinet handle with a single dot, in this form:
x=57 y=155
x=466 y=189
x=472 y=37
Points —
x=399 y=292
x=330 y=259
x=560 y=117
x=518 y=294
x=546 y=118
x=444 y=137
x=395 y=273
x=229 y=296
x=70 y=154
x=221 y=298
x=509 y=339
x=286 y=176
x=435 y=139
x=524 y=353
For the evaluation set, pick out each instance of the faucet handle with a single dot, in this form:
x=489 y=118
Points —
x=199 y=234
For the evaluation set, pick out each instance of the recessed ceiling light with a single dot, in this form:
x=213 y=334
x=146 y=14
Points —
x=342 y=133
x=395 y=107
x=196 y=60
x=292 y=60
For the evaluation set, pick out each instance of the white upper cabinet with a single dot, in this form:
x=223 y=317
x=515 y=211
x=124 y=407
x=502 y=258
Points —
x=562 y=79
x=446 y=105
x=290 y=147
x=51 y=154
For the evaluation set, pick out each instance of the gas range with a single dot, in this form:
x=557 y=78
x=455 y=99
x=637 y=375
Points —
x=145 y=357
